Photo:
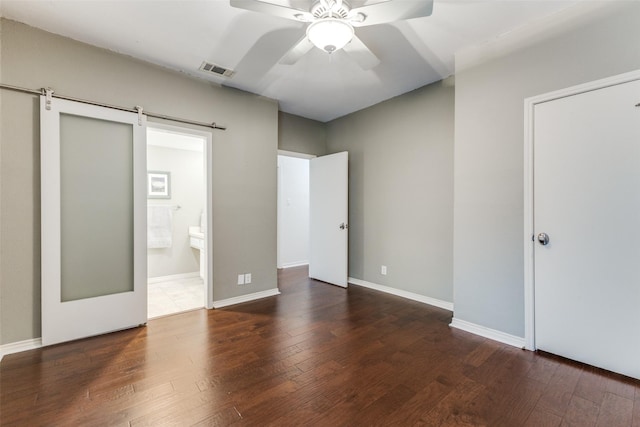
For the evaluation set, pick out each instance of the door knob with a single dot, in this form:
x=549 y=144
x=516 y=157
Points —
x=343 y=226
x=543 y=238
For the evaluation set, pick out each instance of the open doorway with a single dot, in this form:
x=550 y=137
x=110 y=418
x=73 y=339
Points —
x=313 y=215
x=177 y=220
x=293 y=209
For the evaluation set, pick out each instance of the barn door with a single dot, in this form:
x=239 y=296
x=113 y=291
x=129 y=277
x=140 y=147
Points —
x=93 y=172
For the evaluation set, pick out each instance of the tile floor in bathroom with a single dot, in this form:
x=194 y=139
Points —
x=174 y=296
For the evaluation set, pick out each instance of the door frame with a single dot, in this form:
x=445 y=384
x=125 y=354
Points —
x=279 y=225
x=529 y=202
x=208 y=187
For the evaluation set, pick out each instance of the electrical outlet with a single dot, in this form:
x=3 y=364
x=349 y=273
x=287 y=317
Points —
x=383 y=270
x=247 y=278
x=240 y=279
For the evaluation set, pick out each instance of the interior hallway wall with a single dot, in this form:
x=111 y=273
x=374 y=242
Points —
x=244 y=157
x=293 y=211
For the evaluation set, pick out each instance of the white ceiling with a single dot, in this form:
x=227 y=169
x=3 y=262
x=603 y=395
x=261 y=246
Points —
x=181 y=34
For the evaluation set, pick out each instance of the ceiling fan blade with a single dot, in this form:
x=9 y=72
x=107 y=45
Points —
x=273 y=9
x=296 y=52
x=361 y=53
x=390 y=11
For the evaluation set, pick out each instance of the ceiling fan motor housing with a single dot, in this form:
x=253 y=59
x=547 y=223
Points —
x=330 y=9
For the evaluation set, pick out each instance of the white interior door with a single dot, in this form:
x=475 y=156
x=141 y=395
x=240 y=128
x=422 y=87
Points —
x=587 y=200
x=93 y=173
x=328 y=218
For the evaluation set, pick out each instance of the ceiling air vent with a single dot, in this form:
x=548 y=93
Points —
x=208 y=67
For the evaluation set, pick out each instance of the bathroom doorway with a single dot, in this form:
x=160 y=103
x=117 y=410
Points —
x=178 y=222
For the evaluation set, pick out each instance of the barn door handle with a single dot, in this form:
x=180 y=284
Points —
x=543 y=238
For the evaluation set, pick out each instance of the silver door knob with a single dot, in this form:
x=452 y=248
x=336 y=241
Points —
x=543 y=238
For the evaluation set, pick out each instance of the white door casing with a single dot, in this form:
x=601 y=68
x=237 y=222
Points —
x=328 y=218
x=583 y=287
x=79 y=240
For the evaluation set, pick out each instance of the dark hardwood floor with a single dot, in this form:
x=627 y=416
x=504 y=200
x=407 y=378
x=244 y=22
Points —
x=315 y=355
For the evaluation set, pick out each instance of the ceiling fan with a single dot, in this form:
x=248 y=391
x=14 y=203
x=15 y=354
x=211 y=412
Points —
x=332 y=22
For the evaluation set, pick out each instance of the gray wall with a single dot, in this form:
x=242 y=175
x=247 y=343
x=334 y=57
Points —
x=1 y=203
x=187 y=191
x=301 y=135
x=489 y=126
x=244 y=175
x=401 y=190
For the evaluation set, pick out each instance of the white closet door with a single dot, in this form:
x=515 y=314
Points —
x=587 y=200
x=328 y=217
x=93 y=173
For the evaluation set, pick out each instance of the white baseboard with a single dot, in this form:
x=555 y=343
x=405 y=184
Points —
x=17 y=347
x=181 y=276
x=404 y=294
x=483 y=331
x=295 y=264
x=246 y=298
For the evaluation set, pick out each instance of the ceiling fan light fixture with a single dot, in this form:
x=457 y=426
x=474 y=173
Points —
x=330 y=34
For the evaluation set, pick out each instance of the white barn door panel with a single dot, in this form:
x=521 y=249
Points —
x=93 y=175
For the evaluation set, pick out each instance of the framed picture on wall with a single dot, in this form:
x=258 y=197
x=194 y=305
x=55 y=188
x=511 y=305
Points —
x=158 y=185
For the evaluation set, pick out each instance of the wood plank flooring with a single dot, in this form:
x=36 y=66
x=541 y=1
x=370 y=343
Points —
x=317 y=355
